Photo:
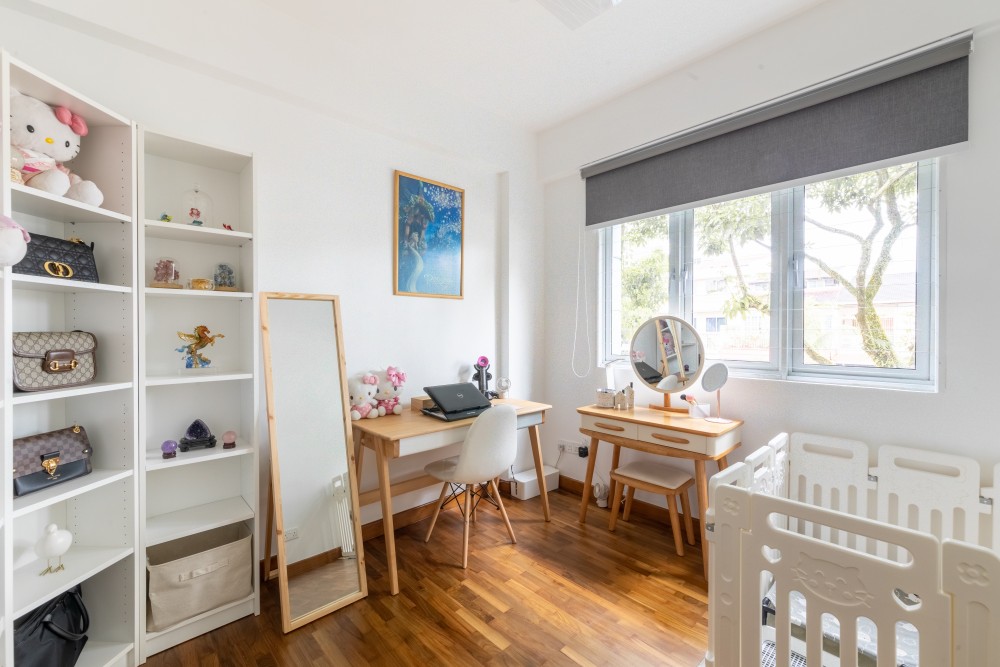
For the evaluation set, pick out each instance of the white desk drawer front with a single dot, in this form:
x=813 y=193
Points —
x=621 y=429
x=690 y=442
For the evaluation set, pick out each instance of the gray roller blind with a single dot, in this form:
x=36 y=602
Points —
x=881 y=113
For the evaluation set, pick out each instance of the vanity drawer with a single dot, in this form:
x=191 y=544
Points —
x=621 y=429
x=690 y=442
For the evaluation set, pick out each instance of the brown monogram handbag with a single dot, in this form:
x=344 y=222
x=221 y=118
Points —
x=53 y=359
x=42 y=460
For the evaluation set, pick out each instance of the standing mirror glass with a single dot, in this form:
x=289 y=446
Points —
x=667 y=354
x=314 y=498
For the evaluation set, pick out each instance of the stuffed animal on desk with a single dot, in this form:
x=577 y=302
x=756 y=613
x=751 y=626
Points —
x=390 y=386
x=363 y=403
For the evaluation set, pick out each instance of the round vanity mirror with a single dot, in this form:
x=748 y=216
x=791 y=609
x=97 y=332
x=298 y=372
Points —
x=667 y=354
x=714 y=378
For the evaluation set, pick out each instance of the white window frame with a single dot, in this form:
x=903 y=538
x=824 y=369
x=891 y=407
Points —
x=787 y=291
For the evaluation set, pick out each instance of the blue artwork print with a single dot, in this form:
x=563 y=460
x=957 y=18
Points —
x=429 y=219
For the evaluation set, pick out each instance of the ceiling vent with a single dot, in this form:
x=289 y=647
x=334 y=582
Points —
x=574 y=13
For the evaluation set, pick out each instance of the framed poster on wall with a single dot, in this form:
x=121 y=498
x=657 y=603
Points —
x=429 y=220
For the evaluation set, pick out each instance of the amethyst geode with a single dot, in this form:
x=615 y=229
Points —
x=198 y=435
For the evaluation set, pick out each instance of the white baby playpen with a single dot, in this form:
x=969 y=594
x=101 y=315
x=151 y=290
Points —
x=819 y=559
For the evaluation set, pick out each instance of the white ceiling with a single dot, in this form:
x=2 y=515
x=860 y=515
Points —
x=518 y=59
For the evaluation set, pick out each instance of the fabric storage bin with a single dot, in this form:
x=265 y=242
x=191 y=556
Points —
x=198 y=573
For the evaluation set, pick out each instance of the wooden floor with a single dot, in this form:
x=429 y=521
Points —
x=565 y=594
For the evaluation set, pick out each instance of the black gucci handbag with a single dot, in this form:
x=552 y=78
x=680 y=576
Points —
x=47 y=459
x=54 y=634
x=50 y=257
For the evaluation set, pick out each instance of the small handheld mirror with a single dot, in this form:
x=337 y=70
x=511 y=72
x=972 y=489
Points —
x=714 y=377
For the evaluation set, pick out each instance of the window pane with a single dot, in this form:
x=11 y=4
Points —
x=639 y=277
x=860 y=271
x=732 y=278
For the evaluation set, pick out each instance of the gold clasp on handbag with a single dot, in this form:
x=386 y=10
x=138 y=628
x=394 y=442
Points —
x=50 y=465
x=58 y=269
x=56 y=367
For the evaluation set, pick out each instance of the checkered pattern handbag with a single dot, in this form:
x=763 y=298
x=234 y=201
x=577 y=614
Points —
x=53 y=359
x=46 y=459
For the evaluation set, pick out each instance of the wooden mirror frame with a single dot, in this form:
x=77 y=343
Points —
x=288 y=623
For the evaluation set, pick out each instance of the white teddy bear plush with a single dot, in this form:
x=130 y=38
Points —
x=363 y=404
x=41 y=139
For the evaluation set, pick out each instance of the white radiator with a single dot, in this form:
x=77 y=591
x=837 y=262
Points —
x=342 y=519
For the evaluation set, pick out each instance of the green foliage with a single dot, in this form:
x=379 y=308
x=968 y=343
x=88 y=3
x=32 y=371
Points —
x=737 y=222
x=644 y=292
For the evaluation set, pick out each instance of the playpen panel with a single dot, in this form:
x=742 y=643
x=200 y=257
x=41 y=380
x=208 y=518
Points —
x=925 y=490
x=833 y=579
x=971 y=574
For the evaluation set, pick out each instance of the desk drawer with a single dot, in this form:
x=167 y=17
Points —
x=690 y=442
x=608 y=425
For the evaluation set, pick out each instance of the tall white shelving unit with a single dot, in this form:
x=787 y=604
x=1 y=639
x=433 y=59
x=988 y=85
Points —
x=100 y=509
x=207 y=488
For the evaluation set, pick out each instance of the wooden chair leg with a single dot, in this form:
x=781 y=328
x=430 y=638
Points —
x=437 y=510
x=503 y=511
x=628 y=502
x=675 y=524
x=465 y=537
x=475 y=505
x=615 y=504
x=688 y=521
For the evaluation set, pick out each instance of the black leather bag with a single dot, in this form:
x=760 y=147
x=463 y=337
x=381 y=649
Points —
x=51 y=257
x=47 y=459
x=54 y=634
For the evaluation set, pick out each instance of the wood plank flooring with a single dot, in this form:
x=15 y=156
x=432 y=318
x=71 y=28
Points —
x=565 y=594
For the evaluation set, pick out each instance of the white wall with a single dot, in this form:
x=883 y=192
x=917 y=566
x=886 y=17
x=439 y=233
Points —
x=325 y=191
x=836 y=37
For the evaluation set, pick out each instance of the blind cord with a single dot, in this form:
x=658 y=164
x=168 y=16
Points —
x=581 y=267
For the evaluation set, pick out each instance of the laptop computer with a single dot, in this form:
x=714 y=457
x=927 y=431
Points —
x=456 y=401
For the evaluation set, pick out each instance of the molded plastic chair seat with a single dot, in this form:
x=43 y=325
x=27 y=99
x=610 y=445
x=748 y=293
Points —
x=489 y=449
x=656 y=478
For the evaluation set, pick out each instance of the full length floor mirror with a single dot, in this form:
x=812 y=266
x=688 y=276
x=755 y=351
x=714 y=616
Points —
x=314 y=492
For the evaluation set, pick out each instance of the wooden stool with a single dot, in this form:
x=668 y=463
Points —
x=655 y=478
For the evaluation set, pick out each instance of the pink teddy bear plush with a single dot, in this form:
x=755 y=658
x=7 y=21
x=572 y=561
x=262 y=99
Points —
x=363 y=404
x=390 y=386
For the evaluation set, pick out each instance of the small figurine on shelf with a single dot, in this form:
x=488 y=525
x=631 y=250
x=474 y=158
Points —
x=198 y=205
x=197 y=436
x=165 y=274
x=166 y=218
x=53 y=544
x=228 y=228
x=201 y=338
x=169 y=449
x=225 y=278
x=229 y=440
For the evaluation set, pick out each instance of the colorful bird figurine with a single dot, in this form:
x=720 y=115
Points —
x=166 y=218
x=196 y=342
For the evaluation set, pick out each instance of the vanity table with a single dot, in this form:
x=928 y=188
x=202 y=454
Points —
x=659 y=432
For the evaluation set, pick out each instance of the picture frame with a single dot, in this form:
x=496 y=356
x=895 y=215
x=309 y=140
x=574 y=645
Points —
x=429 y=238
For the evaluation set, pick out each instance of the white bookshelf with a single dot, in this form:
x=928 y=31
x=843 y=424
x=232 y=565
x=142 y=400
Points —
x=99 y=509
x=200 y=489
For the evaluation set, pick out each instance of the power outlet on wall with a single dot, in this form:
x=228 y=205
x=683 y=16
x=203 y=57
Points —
x=291 y=534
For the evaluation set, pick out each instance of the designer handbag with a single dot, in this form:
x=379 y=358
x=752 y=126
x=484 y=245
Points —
x=53 y=359
x=52 y=257
x=45 y=459
x=54 y=634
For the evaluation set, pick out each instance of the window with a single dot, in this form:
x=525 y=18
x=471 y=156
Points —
x=831 y=279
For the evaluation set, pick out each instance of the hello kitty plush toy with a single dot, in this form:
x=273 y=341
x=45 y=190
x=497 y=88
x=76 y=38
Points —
x=363 y=404
x=13 y=242
x=41 y=139
x=390 y=386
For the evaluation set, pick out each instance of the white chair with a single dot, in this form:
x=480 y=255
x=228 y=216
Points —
x=489 y=449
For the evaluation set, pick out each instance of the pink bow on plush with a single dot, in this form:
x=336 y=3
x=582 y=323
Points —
x=369 y=379
x=76 y=123
x=395 y=376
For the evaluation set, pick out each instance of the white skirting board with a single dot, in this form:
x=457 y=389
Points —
x=525 y=483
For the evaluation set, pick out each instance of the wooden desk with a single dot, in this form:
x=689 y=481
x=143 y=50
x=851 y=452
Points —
x=663 y=433
x=414 y=432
